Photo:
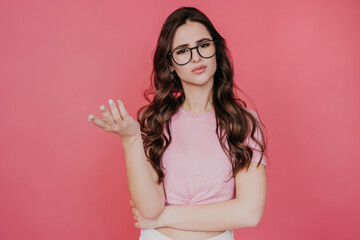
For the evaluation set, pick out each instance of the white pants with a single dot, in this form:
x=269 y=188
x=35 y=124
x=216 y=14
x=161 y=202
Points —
x=153 y=234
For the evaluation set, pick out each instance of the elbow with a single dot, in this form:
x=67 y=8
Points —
x=153 y=212
x=247 y=219
x=150 y=208
x=254 y=220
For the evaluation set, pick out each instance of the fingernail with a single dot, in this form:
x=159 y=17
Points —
x=119 y=101
x=102 y=108
x=91 y=117
x=111 y=102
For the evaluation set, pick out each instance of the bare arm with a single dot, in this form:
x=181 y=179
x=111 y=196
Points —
x=243 y=211
x=147 y=195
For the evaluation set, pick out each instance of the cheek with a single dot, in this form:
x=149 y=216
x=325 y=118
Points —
x=184 y=73
x=213 y=66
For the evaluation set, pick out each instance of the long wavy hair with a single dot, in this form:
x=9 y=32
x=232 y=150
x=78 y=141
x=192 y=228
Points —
x=233 y=122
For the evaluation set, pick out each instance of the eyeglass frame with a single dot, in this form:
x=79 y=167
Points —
x=197 y=49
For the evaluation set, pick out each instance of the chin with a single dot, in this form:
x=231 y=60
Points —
x=202 y=80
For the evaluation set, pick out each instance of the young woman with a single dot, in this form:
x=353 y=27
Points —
x=194 y=157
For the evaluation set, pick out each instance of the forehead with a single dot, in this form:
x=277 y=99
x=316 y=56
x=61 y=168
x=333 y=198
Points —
x=189 y=33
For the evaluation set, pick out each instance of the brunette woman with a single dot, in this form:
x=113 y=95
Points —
x=195 y=156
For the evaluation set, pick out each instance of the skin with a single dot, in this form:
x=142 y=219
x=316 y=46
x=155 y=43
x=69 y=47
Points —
x=206 y=220
x=120 y=123
x=196 y=86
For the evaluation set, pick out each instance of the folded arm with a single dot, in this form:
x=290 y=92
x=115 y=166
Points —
x=244 y=211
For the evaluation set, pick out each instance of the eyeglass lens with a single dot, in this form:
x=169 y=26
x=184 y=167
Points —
x=183 y=55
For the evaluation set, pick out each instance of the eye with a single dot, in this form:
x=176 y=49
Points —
x=204 y=45
x=181 y=51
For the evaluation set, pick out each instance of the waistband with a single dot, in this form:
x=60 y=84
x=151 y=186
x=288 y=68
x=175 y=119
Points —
x=153 y=234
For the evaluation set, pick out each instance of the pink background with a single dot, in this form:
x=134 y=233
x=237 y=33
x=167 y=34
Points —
x=63 y=178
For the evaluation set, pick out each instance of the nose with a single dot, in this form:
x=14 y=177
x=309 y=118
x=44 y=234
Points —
x=195 y=55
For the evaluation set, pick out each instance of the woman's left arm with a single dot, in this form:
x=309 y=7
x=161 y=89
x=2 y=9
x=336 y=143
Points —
x=244 y=211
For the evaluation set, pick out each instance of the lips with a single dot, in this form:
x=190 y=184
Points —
x=199 y=67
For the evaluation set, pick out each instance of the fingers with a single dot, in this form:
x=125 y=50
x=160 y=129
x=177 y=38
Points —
x=115 y=113
x=131 y=203
x=112 y=120
x=135 y=213
x=123 y=111
x=108 y=117
x=98 y=122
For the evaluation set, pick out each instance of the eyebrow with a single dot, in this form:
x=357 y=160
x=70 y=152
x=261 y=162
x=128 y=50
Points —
x=185 y=45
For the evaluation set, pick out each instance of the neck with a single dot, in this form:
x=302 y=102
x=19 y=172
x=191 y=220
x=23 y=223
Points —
x=197 y=98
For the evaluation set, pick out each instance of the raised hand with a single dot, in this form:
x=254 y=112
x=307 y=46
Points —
x=119 y=123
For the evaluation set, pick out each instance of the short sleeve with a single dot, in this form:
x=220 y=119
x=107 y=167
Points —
x=250 y=142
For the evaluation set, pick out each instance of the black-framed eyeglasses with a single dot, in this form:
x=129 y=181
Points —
x=183 y=55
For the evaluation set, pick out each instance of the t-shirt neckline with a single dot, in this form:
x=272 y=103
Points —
x=205 y=114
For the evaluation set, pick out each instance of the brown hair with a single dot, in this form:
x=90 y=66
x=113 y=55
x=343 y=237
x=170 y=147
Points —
x=233 y=121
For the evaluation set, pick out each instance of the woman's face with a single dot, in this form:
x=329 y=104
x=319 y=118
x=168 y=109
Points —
x=189 y=33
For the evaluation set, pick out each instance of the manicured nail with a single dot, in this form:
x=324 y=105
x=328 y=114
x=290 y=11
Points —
x=119 y=101
x=102 y=108
x=111 y=102
x=91 y=117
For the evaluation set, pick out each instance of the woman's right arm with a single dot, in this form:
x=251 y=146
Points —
x=147 y=195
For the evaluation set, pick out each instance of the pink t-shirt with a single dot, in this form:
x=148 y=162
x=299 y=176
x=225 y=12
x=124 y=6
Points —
x=196 y=166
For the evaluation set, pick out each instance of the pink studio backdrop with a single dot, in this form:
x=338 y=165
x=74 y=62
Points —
x=63 y=178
